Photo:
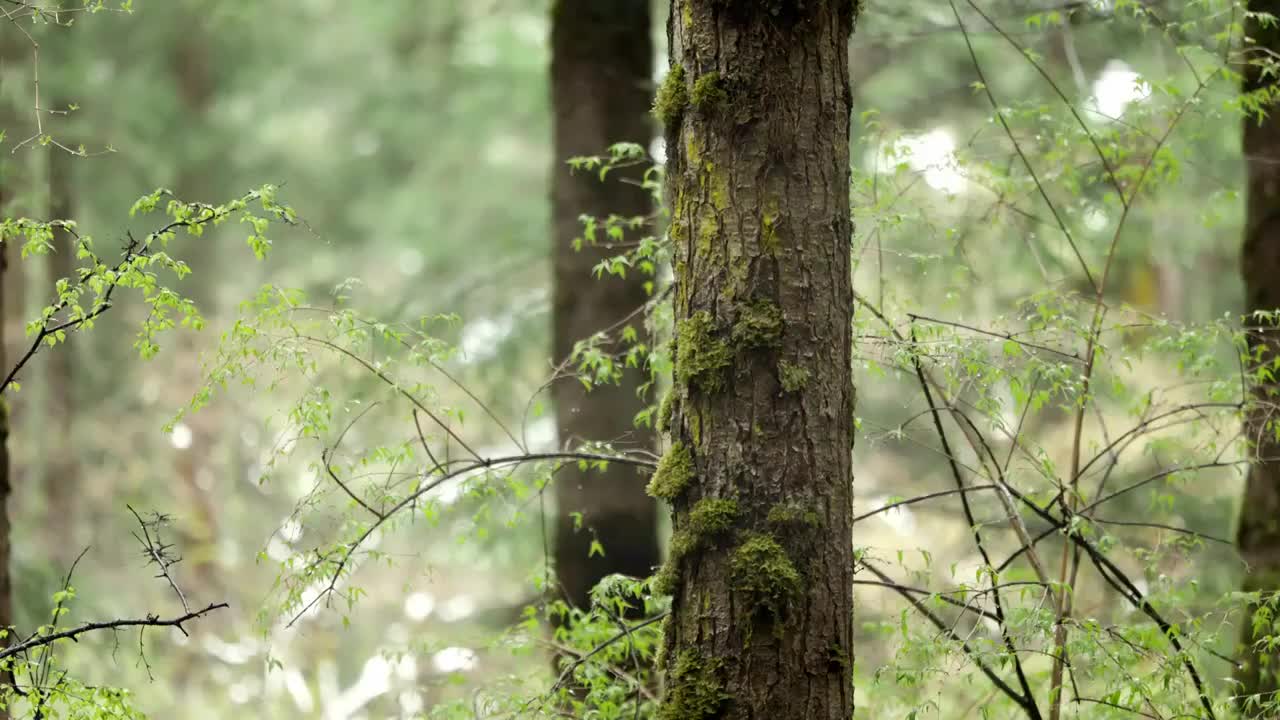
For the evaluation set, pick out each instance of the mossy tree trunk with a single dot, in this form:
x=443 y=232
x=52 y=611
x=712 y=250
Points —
x=1258 y=534
x=601 y=78
x=758 y=467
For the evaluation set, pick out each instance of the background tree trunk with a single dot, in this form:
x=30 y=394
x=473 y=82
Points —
x=194 y=66
x=601 y=70
x=63 y=473
x=1258 y=534
x=7 y=256
x=10 y=52
x=758 y=469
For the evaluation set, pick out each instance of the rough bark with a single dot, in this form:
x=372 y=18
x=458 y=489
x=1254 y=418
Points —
x=63 y=472
x=758 y=466
x=601 y=70
x=1258 y=534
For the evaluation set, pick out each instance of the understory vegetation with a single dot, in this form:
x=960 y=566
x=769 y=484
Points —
x=678 y=360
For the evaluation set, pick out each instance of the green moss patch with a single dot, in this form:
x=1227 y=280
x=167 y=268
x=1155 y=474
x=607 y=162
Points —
x=694 y=689
x=762 y=571
x=672 y=97
x=792 y=515
x=701 y=357
x=674 y=473
x=666 y=411
x=793 y=377
x=712 y=516
x=759 y=325
x=708 y=517
x=667 y=581
x=683 y=542
x=709 y=92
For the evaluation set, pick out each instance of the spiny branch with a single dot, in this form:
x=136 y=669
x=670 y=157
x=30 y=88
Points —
x=75 y=633
x=157 y=551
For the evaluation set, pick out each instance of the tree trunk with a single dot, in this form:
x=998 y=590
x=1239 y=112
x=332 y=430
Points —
x=194 y=64
x=8 y=256
x=15 y=312
x=601 y=70
x=62 y=476
x=12 y=51
x=758 y=468
x=1258 y=534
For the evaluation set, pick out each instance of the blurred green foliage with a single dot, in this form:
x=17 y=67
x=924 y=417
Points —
x=414 y=147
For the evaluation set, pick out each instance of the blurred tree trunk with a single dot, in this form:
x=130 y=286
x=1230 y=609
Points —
x=62 y=476
x=11 y=52
x=7 y=256
x=15 y=292
x=601 y=70
x=758 y=469
x=14 y=59
x=193 y=65
x=1258 y=533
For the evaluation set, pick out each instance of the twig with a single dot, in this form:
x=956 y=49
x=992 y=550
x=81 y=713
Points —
x=1002 y=336
x=1033 y=710
x=75 y=633
x=605 y=645
x=995 y=106
x=470 y=467
x=157 y=552
x=922 y=498
x=1025 y=702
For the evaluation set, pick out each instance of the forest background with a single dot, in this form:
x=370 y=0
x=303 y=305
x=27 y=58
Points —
x=415 y=152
